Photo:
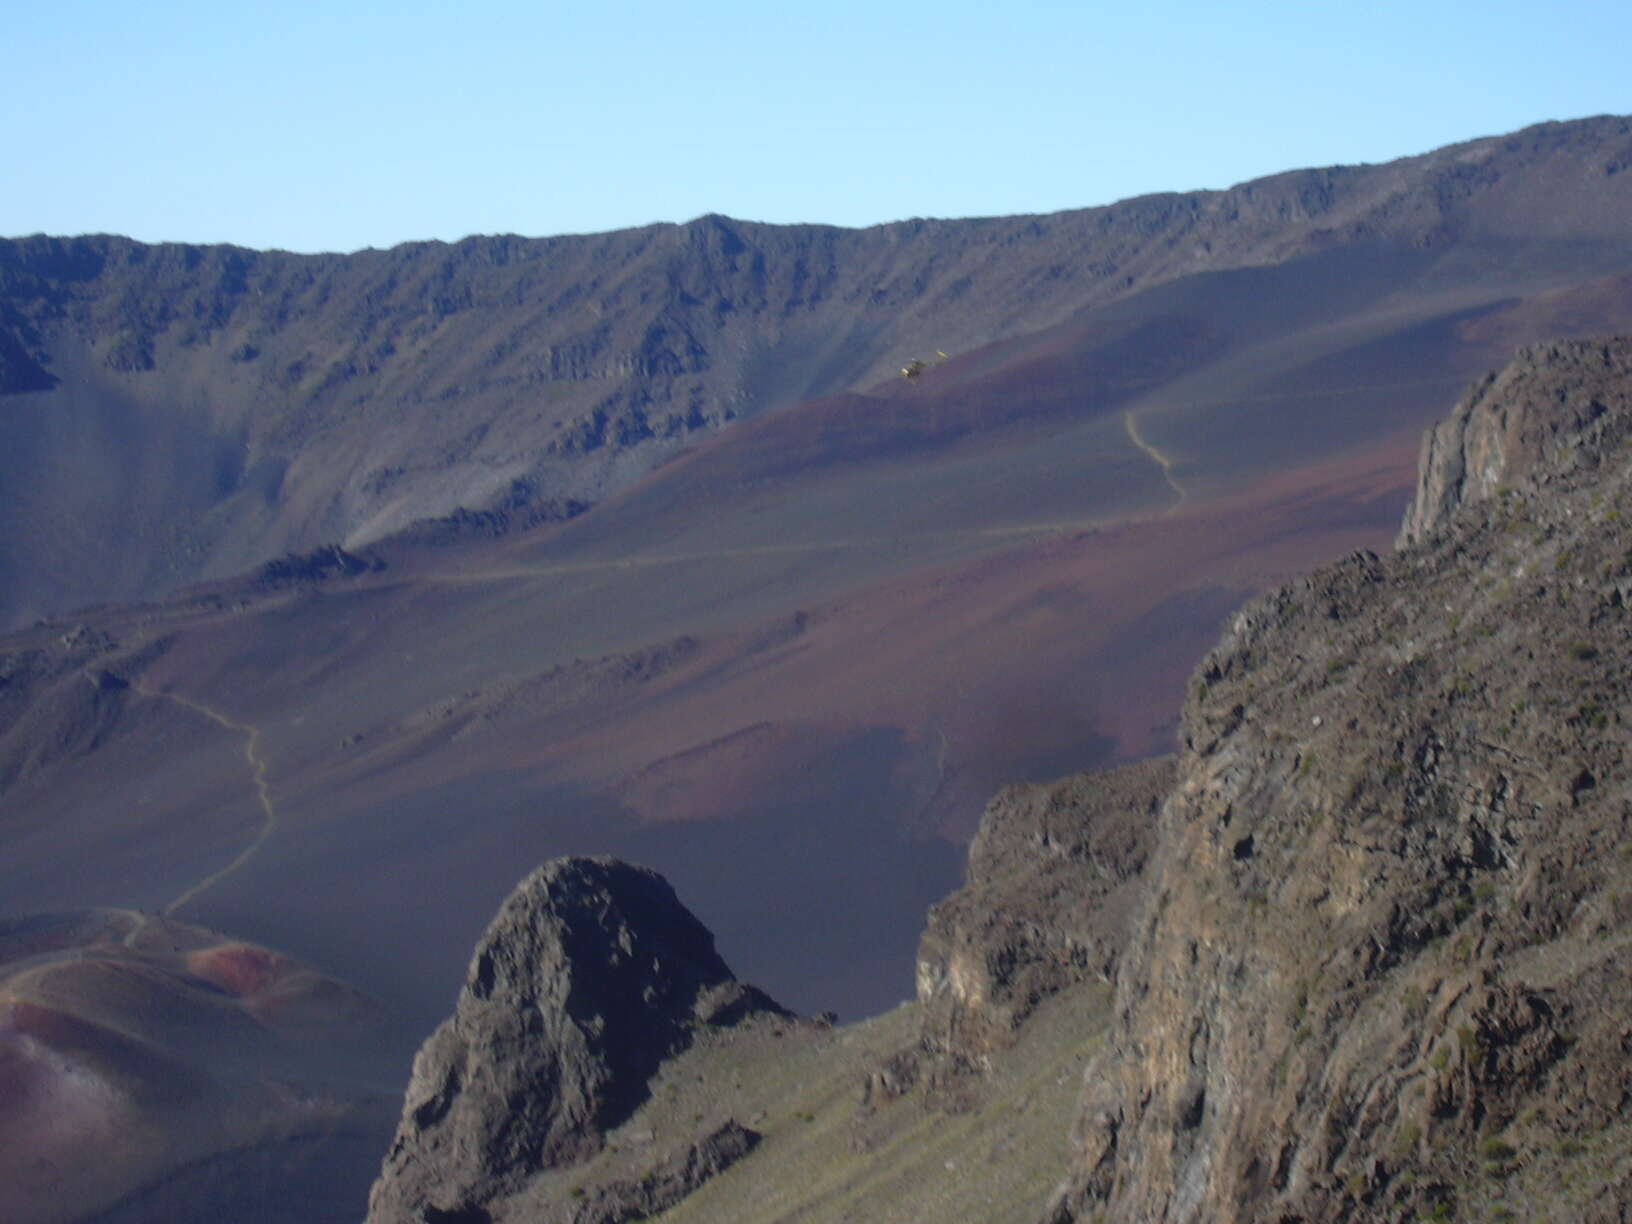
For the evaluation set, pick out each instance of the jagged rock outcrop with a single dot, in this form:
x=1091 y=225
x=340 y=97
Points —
x=329 y=561
x=1382 y=965
x=589 y=977
x=1052 y=878
x=1529 y=417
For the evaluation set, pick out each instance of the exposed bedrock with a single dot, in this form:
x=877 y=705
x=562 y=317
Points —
x=1380 y=969
x=590 y=976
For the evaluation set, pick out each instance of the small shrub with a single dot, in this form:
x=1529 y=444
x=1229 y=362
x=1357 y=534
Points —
x=1406 y=1140
x=1497 y=1149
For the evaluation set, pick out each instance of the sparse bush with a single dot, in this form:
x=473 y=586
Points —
x=1406 y=1140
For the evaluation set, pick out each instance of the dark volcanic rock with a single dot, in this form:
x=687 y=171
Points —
x=1053 y=876
x=589 y=977
x=1533 y=415
x=465 y=524
x=329 y=561
x=1381 y=970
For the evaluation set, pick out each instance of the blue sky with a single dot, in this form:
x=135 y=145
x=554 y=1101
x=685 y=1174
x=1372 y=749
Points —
x=351 y=124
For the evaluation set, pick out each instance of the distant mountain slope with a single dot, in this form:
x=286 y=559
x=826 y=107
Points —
x=180 y=412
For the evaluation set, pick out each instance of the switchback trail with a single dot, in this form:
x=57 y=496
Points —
x=257 y=775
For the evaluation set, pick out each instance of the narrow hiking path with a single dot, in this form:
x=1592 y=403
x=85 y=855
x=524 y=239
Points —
x=256 y=764
x=1130 y=425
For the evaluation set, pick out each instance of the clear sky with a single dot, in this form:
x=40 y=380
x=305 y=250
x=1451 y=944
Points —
x=349 y=124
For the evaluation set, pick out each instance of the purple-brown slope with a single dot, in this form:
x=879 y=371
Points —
x=178 y=412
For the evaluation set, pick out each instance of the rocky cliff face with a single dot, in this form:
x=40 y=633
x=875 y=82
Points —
x=1531 y=417
x=1381 y=965
x=1053 y=874
x=589 y=977
x=1369 y=929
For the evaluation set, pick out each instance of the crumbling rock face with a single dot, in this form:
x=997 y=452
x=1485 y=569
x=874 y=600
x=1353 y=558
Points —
x=1051 y=881
x=1537 y=415
x=591 y=974
x=1381 y=965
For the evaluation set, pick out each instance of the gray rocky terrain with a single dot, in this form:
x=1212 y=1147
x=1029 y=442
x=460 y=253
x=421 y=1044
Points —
x=1381 y=969
x=591 y=975
x=1367 y=930
x=602 y=1066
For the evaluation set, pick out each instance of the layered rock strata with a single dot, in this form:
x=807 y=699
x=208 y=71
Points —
x=1382 y=962
x=1053 y=874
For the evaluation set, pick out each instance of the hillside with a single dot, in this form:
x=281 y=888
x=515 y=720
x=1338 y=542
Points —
x=1381 y=967
x=788 y=666
x=1366 y=929
x=785 y=662
x=176 y=413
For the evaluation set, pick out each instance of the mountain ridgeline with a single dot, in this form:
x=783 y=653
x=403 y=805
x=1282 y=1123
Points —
x=179 y=412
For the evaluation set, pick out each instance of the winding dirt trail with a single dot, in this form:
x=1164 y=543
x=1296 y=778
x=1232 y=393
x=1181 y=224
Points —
x=1130 y=425
x=257 y=774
